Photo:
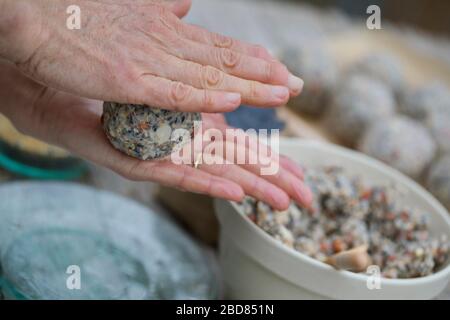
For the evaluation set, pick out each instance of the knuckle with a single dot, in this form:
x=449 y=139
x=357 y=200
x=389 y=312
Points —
x=122 y=79
x=179 y=92
x=229 y=58
x=163 y=22
x=222 y=41
x=168 y=25
x=255 y=185
x=209 y=185
x=133 y=171
x=183 y=177
x=269 y=71
x=253 y=89
x=148 y=171
x=35 y=64
x=212 y=77
x=121 y=70
x=208 y=100
x=170 y=96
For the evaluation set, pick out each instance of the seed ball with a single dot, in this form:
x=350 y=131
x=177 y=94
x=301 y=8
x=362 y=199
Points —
x=439 y=125
x=383 y=67
x=402 y=143
x=319 y=72
x=420 y=102
x=358 y=102
x=438 y=181
x=145 y=132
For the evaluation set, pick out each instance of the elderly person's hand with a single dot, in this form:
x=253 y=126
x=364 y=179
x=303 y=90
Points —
x=139 y=51
x=74 y=124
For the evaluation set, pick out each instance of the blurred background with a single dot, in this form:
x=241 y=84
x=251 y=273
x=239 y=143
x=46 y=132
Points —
x=427 y=15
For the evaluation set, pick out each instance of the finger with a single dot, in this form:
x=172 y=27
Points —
x=99 y=150
x=238 y=64
x=288 y=177
x=252 y=143
x=277 y=175
x=204 y=36
x=183 y=177
x=292 y=167
x=174 y=95
x=215 y=118
x=259 y=163
x=287 y=182
x=250 y=183
x=207 y=77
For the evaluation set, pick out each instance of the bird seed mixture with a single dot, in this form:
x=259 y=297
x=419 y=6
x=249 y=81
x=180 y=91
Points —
x=145 y=132
x=347 y=213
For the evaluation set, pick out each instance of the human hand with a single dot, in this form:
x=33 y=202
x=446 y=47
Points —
x=74 y=123
x=136 y=51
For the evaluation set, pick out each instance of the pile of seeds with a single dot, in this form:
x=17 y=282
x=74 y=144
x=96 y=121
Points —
x=347 y=213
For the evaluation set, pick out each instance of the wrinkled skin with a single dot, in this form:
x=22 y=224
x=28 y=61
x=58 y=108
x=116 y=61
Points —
x=66 y=70
x=141 y=52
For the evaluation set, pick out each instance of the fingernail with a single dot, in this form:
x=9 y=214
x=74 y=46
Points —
x=233 y=98
x=295 y=84
x=280 y=92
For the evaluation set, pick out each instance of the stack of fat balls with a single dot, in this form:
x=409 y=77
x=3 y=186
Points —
x=371 y=107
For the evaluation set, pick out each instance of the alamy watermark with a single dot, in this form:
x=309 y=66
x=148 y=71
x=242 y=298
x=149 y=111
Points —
x=231 y=146
x=374 y=277
x=73 y=21
x=73 y=281
x=373 y=22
